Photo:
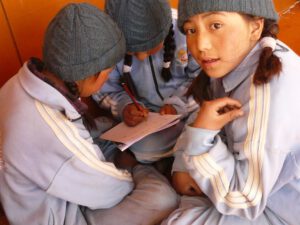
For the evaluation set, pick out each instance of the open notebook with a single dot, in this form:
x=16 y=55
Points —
x=125 y=136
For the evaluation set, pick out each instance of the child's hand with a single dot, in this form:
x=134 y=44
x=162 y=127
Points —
x=125 y=160
x=133 y=116
x=215 y=114
x=167 y=109
x=184 y=184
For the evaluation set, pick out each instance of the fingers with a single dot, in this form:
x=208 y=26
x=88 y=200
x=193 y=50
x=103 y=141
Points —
x=184 y=184
x=125 y=160
x=226 y=101
x=229 y=109
x=133 y=116
x=167 y=109
x=231 y=115
x=215 y=114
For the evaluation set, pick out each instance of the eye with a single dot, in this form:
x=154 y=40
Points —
x=216 y=26
x=189 y=31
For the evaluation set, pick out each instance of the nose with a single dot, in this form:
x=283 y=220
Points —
x=203 y=42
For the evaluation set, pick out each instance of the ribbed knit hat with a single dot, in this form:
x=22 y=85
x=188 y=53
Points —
x=81 y=41
x=261 y=8
x=145 y=23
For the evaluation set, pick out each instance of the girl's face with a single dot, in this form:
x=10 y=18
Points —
x=93 y=83
x=219 y=41
x=143 y=55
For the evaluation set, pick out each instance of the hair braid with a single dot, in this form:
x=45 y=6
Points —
x=126 y=77
x=269 y=64
x=73 y=88
x=87 y=119
x=199 y=88
x=169 y=51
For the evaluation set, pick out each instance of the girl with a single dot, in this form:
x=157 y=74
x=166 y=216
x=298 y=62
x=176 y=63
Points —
x=156 y=69
x=242 y=148
x=51 y=172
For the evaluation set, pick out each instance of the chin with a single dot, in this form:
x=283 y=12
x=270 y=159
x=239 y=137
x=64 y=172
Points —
x=215 y=74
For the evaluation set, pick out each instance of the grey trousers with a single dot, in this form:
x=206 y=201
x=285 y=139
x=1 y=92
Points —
x=152 y=200
x=201 y=211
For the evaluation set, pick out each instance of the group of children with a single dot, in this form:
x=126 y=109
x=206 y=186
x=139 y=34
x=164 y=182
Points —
x=219 y=65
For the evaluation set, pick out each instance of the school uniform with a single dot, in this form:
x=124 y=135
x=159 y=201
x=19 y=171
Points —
x=251 y=174
x=52 y=173
x=154 y=92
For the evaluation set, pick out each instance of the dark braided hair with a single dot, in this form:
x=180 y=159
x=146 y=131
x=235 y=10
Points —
x=169 y=52
x=73 y=88
x=87 y=119
x=126 y=77
x=269 y=65
x=199 y=88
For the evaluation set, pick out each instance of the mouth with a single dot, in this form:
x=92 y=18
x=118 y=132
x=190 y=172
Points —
x=209 y=61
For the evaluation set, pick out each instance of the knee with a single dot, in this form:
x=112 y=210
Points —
x=156 y=189
x=167 y=198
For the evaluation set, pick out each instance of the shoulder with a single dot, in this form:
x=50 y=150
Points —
x=287 y=56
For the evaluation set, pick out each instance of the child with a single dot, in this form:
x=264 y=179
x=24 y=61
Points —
x=248 y=89
x=51 y=172
x=156 y=69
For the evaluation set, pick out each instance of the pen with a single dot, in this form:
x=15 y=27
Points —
x=138 y=106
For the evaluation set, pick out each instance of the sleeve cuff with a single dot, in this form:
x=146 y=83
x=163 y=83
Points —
x=199 y=140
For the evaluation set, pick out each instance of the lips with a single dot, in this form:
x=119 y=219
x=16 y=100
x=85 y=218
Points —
x=209 y=62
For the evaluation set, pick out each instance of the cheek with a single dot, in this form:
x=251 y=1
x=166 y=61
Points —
x=192 y=47
x=101 y=80
x=234 y=46
x=141 y=56
x=191 y=43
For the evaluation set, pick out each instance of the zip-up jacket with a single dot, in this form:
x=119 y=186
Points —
x=49 y=164
x=153 y=91
x=253 y=171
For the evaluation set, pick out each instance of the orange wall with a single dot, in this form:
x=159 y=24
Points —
x=22 y=27
x=9 y=62
x=27 y=20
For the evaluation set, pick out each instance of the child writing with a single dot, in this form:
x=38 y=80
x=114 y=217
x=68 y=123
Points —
x=51 y=171
x=156 y=69
x=250 y=172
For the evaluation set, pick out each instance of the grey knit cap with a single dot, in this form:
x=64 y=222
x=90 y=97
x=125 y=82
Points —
x=145 y=23
x=81 y=41
x=261 y=8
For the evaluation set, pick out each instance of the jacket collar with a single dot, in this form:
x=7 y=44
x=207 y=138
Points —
x=245 y=69
x=45 y=93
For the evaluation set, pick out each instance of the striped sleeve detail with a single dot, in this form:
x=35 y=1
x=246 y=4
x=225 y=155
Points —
x=251 y=193
x=69 y=136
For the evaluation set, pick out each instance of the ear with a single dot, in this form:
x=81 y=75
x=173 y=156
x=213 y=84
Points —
x=256 y=26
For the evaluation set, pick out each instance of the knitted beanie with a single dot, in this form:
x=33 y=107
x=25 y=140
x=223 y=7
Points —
x=261 y=8
x=81 y=41
x=145 y=23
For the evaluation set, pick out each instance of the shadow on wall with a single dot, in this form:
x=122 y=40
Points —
x=290 y=25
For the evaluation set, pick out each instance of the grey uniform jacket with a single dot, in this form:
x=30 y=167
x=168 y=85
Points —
x=49 y=165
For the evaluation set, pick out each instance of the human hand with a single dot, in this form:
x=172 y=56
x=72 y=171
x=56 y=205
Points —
x=215 y=114
x=184 y=184
x=125 y=160
x=133 y=116
x=167 y=109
